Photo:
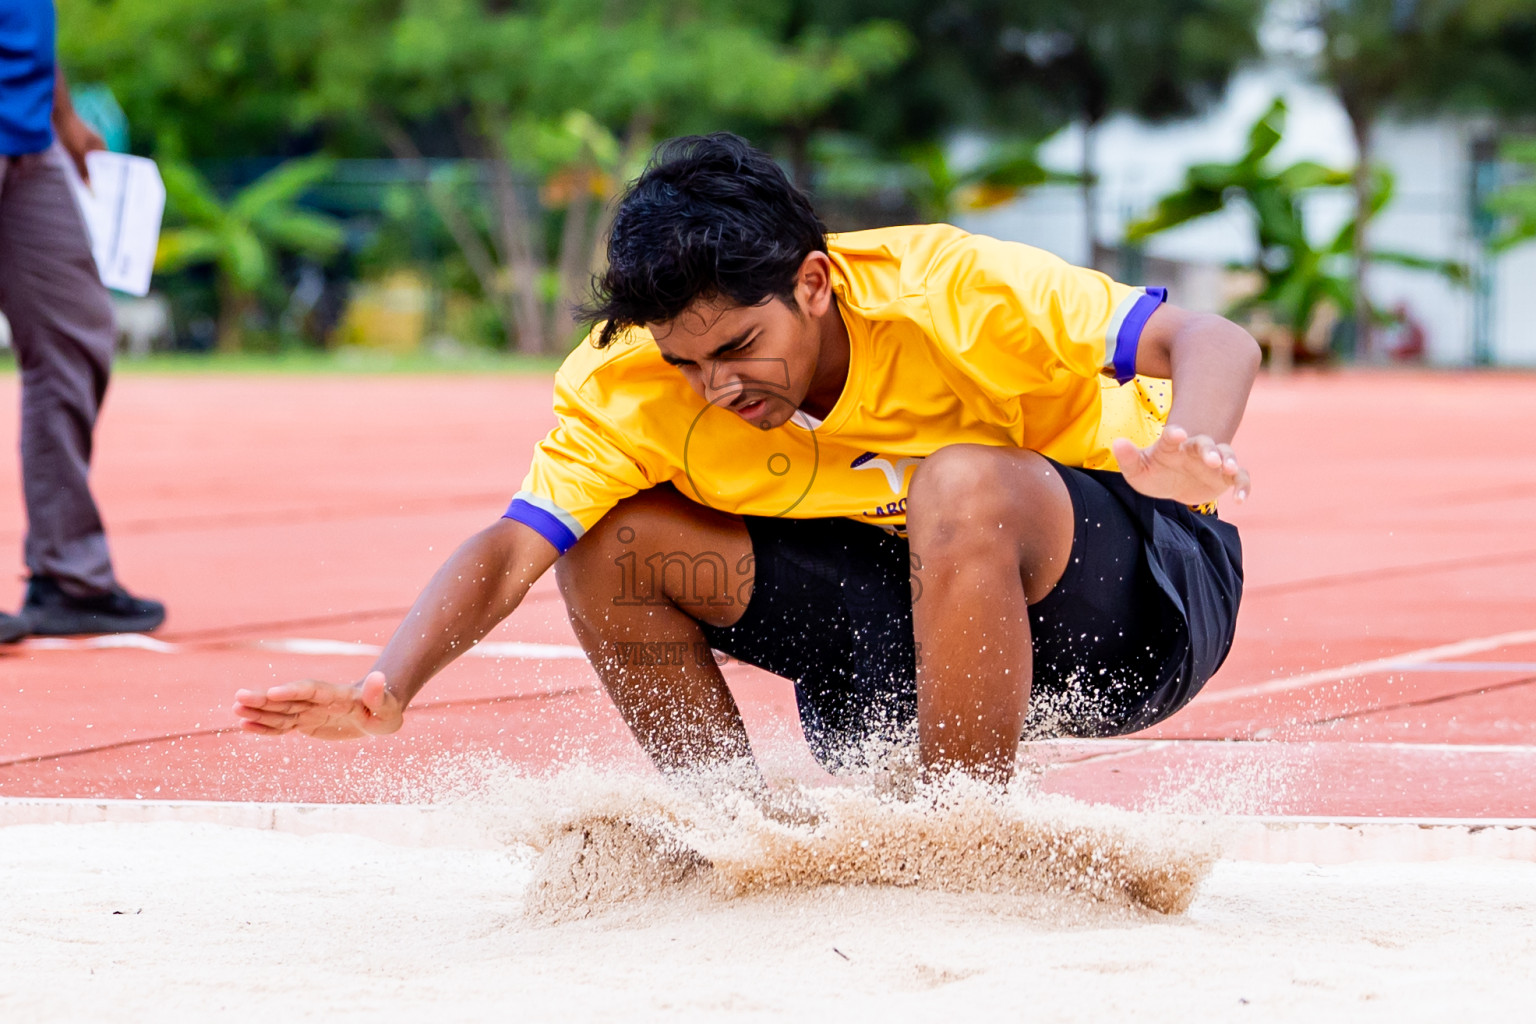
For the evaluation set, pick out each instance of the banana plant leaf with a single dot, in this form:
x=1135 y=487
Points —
x=1298 y=278
x=279 y=187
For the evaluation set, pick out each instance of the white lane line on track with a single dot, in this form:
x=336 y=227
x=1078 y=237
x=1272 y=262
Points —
x=299 y=645
x=318 y=648
x=490 y=649
x=1124 y=747
x=1424 y=660
x=117 y=641
x=1395 y=663
x=520 y=649
x=1465 y=666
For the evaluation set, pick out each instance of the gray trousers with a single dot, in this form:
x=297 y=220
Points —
x=61 y=329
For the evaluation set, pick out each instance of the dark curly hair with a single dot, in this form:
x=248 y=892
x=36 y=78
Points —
x=711 y=217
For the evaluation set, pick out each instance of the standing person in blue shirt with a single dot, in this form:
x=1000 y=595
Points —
x=61 y=329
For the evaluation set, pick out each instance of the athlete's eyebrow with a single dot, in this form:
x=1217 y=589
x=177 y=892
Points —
x=717 y=353
x=738 y=340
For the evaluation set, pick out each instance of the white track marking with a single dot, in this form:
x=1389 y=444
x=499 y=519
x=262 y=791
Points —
x=1396 y=662
x=1424 y=660
x=515 y=649
x=1246 y=745
x=520 y=649
x=319 y=648
x=1465 y=666
x=496 y=649
x=115 y=641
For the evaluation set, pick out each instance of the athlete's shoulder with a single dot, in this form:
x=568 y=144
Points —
x=914 y=242
x=630 y=357
x=883 y=270
x=884 y=266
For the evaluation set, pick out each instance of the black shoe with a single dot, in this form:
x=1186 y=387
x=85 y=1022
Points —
x=51 y=612
x=12 y=628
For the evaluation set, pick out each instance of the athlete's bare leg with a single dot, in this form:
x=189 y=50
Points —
x=991 y=532
x=636 y=586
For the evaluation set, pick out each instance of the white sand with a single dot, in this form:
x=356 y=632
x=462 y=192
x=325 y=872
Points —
x=119 y=922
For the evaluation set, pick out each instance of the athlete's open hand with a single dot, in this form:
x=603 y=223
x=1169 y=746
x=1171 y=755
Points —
x=322 y=710
x=1190 y=470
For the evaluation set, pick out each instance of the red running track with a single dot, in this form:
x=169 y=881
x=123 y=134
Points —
x=1385 y=661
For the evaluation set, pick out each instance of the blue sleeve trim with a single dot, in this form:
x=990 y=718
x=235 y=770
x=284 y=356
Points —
x=543 y=523
x=1129 y=336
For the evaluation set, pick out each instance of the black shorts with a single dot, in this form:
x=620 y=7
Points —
x=1141 y=618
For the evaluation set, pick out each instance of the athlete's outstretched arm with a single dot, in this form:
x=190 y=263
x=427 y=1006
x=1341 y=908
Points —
x=1212 y=363
x=479 y=585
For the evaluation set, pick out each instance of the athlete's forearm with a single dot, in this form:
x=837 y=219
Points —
x=1212 y=363
x=477 y=587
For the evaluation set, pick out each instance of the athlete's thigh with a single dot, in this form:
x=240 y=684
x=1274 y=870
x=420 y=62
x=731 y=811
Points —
x=659 y=547
x=973 y=504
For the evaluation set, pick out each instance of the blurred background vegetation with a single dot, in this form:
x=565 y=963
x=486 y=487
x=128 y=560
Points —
x=414 y=175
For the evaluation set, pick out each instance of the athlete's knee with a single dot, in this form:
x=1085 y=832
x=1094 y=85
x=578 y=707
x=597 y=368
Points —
x=975 y=495
x=653 y=548
x=592 y=570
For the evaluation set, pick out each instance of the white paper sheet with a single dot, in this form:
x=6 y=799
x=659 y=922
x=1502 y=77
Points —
x=122 y=208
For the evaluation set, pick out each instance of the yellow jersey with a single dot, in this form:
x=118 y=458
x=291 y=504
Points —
x=953 y=337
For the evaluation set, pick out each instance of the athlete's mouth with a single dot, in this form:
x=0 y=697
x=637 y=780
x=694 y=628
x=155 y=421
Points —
x=750 y=407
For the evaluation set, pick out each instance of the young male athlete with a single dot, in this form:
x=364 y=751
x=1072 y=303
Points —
x=923 y=474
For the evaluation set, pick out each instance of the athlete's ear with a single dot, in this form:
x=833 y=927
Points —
x=813 y=285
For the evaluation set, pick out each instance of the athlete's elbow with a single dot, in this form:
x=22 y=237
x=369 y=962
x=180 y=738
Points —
x=1232 y=342
x=1245 y=350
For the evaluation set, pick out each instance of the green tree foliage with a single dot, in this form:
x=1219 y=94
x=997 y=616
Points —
x=1299 y=279
x=570 y=94
x=1155 y=59
x=565 y=94
x=243 y=237
x=550 y=104
x=1419 y=57
x=1515 y=204
x=214 y=80
x=1030 y=66
x=932 y=180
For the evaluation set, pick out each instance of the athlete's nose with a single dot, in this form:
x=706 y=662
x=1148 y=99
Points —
x=725 y=381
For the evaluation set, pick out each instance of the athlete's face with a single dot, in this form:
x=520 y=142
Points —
x=756 y=361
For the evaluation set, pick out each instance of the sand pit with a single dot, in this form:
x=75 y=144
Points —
x=135 y=921
x=607 y=839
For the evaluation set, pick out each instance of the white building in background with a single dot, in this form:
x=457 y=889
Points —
x=1431 y=214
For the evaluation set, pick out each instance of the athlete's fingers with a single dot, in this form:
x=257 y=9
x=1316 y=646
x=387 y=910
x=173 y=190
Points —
x=290 y=711
x=373 y=692
x=270 y=720
x=1131 y=458
x=1243 y=486
x=1173 y=438
x=303 y=690
x=1204 y=448
x=312 y=691
x=260 y=730
x=282 y=706
x=1229 y=463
